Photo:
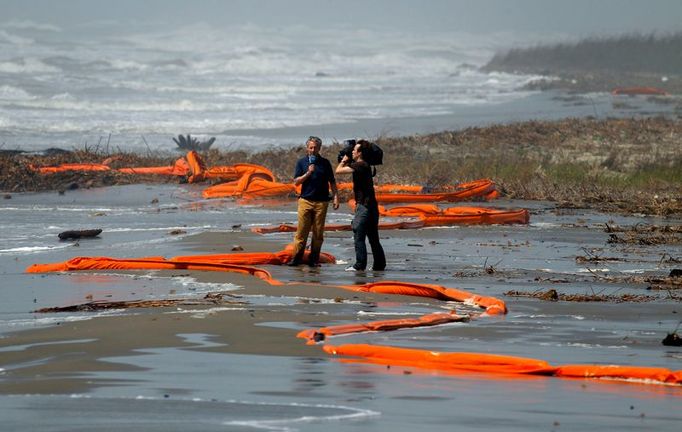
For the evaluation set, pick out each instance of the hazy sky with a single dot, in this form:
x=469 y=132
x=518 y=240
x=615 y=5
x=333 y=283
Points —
x=575 y=17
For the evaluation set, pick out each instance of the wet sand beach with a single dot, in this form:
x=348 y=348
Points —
x=239 y=365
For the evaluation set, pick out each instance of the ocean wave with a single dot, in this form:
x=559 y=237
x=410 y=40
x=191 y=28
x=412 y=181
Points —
x=11 y=93
x=143 y=410
x=31 y=25
x=26 y=65
x=60 y=318
x=13 y=39
x=32 y=249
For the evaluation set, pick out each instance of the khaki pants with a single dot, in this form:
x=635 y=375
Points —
x=311 y=215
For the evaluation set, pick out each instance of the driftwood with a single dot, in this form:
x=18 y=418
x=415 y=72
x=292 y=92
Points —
x=77 y=234
x=209 y=299
x=553 y=295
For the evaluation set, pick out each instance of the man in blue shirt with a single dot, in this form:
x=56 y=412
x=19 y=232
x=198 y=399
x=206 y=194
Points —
x=316 y=176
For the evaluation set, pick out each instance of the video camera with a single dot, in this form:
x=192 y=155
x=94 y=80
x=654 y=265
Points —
x=375 y=156
x=347 y=150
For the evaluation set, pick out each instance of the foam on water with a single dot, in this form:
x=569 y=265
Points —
x=145 y=411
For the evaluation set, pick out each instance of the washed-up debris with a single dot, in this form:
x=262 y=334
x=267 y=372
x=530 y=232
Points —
x=660 y=283
x=672 y=339
x=596 y=259
x=644 y=234
x=553 y=295
x=209 y=299
x=78 y=234
x=592 y=257
x=645 y=239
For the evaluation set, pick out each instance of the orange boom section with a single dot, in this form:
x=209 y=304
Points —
x=500 y=364
x=151 y=263
x=483 y=188
x=338 y=227
x=70 y=167
x=180 y=168
x=313 y=336
x=477 y=215
x=638 y=91
x=463 y=361
x=190 y=166
x=492 y=305
x=234 y=262
x=249 y=186
x=432 y=215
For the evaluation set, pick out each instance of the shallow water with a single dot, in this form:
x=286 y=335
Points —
x=198 y=388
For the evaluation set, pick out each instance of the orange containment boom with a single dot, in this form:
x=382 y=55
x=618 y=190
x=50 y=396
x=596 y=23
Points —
x=492 y=305
x=249 y=186
x=338 y=227
x=316 y=335
x=500 y=364
x=639 y=91
x=191 y=166
x=234 y=262
x=483 y=188
x=432 y=215
x=70 y=167
x=151 y=263
x=462 y=361
x=180 y=168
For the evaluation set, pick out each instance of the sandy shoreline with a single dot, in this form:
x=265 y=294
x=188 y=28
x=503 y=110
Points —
x=81 y=347
x=246 y=350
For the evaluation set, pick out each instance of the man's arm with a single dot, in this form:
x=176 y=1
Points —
x=335 y=190
x=300 y=176
x=343 y=167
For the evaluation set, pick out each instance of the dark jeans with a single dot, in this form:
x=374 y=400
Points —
x=366 y=225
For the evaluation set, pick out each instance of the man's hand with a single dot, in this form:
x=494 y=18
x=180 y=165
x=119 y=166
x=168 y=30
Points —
x=311 y=169
x=335 y=202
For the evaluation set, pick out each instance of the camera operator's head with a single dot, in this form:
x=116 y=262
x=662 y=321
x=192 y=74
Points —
x=313 y=145
x=361 y=150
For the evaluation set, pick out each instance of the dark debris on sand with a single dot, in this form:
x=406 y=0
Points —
x=554 y=295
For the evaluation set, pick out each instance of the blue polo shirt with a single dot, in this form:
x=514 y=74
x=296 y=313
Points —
x=316 y=187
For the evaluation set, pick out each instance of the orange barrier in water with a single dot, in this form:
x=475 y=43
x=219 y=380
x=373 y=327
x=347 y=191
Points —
x=180 y=169
x=338 y=227
x=476 y=215
x=254 y=258
x=191 y=165
x=237 y=262
x=149 y=263
x=499 y=364
x=492 y=305
x=385 y=188
x=249 y=186
x=316 y=335
x=70 y=167
x=473 y=362
x=638 y=91
x=483 y=188
x=432 y=215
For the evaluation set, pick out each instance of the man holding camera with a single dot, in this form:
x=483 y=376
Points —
x=366 y=220
x=315 y=175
